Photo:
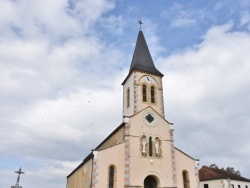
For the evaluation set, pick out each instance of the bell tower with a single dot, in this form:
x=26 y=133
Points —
x=143 y=85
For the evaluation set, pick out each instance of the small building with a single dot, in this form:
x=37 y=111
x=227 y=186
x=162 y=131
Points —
x=140 y=152
x=219 y=178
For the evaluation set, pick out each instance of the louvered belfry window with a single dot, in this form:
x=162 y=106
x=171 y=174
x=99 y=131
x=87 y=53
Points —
x=144 y=93
x=152 y=90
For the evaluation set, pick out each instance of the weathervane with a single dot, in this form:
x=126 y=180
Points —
x=19 y=172
x=140 y=22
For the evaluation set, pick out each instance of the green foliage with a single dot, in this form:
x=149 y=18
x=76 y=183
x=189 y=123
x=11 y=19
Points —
x=228 y=169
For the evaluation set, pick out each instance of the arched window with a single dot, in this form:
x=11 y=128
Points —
x=144 y=93
x=185 y=179
x=152 y=92
x=150 y=147
x=128 y=97
x=111 y=177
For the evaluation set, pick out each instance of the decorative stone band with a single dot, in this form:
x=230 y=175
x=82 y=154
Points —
x=162 y=104
x=173 y=160
x=197 y=173
x=135 y=98
x=135 y=94
x=127 y=156
x=95 y=169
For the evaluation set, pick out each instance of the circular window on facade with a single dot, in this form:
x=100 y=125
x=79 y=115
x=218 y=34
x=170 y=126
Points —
x=149 y=118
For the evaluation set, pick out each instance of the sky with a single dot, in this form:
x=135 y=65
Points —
x=62 y=63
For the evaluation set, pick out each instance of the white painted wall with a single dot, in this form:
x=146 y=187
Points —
x=223 y=183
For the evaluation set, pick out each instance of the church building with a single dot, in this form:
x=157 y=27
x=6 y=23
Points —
x=139 y=153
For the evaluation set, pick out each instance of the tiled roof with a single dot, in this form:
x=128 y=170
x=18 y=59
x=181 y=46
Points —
x=207 y=173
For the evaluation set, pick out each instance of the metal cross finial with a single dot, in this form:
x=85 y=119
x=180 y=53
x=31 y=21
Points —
x=140 y=22
x=19 y=172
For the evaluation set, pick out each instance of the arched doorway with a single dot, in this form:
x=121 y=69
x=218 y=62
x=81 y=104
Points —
x=150 y=182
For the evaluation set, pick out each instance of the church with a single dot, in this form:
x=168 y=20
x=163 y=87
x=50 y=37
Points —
x=140 y=152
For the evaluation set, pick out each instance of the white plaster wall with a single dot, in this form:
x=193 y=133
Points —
x=183 y=162
x=223 y=183
x=135 y=82
x=212 y=184
x=242 y=184
x=129 y=84
x=111 y=156
x=138 y=127
x=141 y=167
x=158 y=106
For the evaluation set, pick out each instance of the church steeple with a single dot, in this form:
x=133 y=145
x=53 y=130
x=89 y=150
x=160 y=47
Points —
x=142 y=59
x=143 y=85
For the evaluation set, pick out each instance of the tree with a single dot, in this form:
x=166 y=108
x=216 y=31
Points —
x=214 y=166
x=238 y=173
x=231 y=170
x=228 y=169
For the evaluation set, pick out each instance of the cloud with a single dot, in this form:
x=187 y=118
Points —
x=44 y=64
x=244 y=3
x=49 y=62
x=245 y=19
x=182 y=17
x=113 y=24
x=55 y=20
x=209 y=83
x=61 y=95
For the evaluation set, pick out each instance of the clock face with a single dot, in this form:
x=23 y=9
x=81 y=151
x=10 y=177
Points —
x=148 y=79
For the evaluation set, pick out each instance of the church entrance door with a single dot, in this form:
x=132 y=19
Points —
x=150 y=182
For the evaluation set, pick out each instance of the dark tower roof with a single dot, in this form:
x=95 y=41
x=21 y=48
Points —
x=142 y=60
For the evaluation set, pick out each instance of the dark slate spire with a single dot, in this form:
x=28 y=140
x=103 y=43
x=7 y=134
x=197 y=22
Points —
x=142 y=59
